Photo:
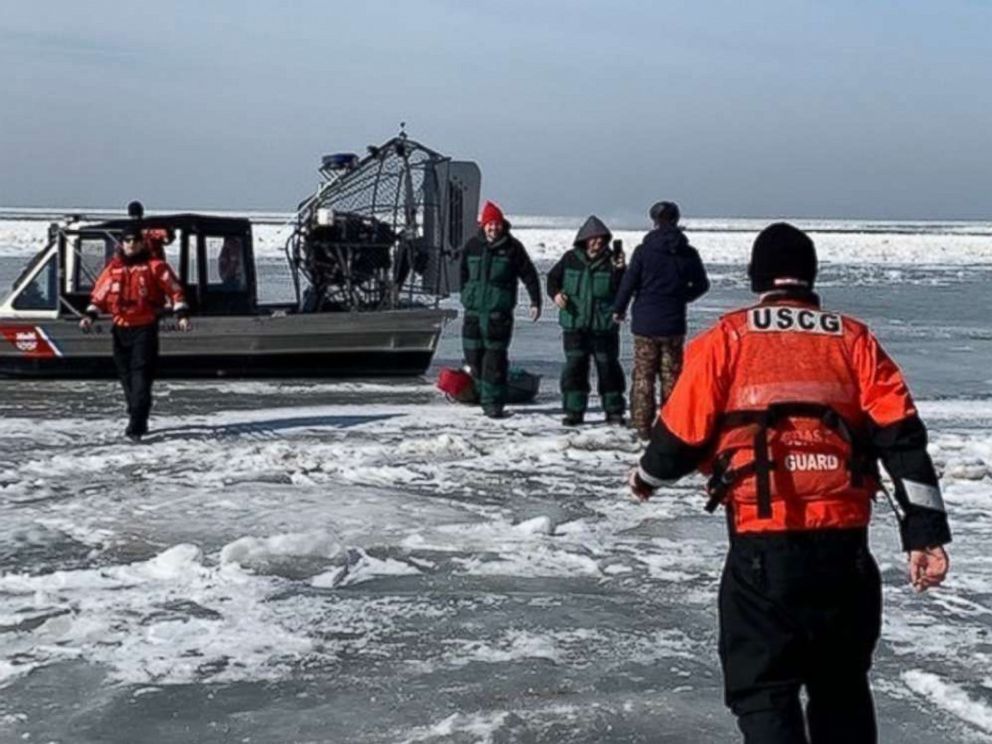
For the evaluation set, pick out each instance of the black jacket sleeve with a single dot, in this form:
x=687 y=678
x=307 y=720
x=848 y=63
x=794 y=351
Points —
x=667 y=458
x=902 y=448
x=616 y=279
x=555 y=278
x=628 y=283
x=528 y=275
x=697 y=283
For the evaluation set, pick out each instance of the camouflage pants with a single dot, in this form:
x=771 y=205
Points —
x=654 y=357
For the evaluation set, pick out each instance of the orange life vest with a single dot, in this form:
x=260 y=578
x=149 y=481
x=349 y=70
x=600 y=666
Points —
x=784 y=392
x=135 y=292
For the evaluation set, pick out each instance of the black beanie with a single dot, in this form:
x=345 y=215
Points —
x=665 y=211
x=783 y=257
x=136 y=210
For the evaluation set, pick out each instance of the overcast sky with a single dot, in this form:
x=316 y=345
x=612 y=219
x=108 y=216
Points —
x=839 y=108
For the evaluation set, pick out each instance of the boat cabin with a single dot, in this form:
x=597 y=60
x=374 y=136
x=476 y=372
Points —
x=212 y=256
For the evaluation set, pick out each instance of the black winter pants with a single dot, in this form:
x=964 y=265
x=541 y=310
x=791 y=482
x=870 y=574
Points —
x=604 y=348
x=800 y=610
x=486 y=341
x=136 y=358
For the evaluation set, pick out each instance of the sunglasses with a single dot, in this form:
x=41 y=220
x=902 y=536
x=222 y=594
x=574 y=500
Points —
x=130 y=239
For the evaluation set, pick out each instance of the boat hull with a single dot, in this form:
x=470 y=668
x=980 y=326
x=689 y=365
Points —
x=390 y=343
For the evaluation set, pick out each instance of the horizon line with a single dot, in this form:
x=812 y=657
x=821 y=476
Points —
x=44 y=212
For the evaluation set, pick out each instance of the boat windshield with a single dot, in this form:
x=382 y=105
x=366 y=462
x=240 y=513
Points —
x=42 y=292
x=28 y=270
x=32 y=264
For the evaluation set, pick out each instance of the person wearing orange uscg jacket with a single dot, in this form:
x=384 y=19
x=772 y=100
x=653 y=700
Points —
x=789 y=408
x=134 y=288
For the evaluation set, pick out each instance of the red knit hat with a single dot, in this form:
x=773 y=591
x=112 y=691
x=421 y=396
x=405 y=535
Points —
x=491 y=213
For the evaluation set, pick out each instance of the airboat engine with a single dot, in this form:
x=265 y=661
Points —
x=348 y=261
x=383 y=232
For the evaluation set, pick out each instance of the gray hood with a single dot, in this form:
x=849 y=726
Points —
x=592 y=228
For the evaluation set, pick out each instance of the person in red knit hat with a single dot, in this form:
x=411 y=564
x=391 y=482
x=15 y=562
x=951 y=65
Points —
x=491 y=215
x=492 y=262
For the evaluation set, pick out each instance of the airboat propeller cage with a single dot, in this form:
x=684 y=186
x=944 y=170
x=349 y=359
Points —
x=384 y=231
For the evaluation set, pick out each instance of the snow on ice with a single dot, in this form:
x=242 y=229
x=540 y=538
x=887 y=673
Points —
x=280 y=543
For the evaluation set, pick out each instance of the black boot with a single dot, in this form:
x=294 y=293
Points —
x=572 y=419
x=615 y=419
x=135 y=430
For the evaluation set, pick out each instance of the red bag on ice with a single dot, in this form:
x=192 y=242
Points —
x=457 y=384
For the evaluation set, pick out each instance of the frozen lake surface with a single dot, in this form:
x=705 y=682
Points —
x=364 y=562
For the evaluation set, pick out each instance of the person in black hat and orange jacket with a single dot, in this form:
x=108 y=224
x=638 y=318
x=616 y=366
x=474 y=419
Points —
x=134 y=288
x=789 y=407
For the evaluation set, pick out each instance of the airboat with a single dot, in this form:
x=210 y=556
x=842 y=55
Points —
x=372 y=253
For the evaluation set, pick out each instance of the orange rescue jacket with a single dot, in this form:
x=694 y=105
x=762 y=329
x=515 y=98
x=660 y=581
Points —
x=135 y=292
x=783 y=393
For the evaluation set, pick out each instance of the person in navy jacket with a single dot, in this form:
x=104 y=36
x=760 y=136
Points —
x=664 y=276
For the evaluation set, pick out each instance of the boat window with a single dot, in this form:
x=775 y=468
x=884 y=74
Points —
x=42 y=293
x=171 y=253
x=192 y=261
x=92 y=255
x=226 y=263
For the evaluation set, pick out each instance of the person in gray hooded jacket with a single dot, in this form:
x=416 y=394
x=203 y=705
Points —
x=583 y=284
